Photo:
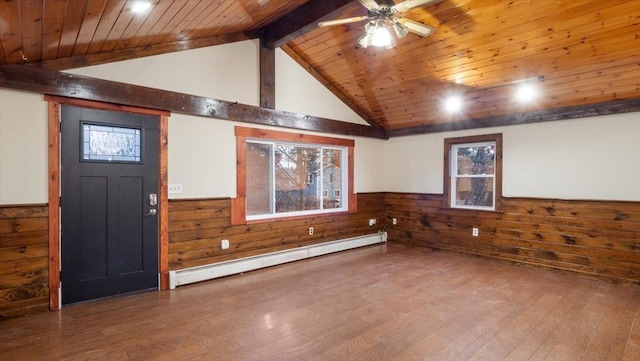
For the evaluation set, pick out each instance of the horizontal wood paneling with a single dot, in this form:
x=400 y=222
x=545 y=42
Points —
x=24 y=250
x=196 y=228
x=38 y=30
x=594 y=238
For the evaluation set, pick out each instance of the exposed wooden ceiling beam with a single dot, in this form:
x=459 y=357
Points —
x=139 y=52
x=303 y=19
x=45 y=81
x=548 y=115
x=267 y=77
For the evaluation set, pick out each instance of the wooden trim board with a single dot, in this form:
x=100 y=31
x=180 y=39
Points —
x=55 y=103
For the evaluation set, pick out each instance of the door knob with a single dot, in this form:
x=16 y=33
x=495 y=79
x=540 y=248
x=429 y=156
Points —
x=152 y=212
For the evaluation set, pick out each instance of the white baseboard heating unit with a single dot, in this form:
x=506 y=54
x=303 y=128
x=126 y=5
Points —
x=202 y=273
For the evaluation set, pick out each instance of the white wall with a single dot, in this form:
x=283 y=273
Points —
x=590 y=158
x=202 y=150
x=226 y=72
x=202 y=157
x=23 y=148
x=297 y=91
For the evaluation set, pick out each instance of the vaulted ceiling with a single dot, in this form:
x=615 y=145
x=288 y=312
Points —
x=587 y=52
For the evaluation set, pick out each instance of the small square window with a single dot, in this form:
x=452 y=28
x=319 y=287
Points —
x=473 y=170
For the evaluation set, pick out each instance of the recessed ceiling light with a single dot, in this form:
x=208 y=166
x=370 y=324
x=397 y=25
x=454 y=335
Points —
x=139 y=7
x=526 y=92
x=453 y=104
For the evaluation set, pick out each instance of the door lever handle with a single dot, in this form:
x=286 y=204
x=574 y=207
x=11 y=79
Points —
x=152 y=212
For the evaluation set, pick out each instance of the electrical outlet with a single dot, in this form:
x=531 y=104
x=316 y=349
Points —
x=474 y=232
x=394 y=221
x=224 y=244
x=311 y=231
x=372 y=222
x=175 y=188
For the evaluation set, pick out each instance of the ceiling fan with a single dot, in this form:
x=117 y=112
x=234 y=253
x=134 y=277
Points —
x=382 y=16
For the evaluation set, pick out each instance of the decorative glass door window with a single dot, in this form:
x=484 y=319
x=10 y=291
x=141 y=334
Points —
x=473 y=175
x=111 y=144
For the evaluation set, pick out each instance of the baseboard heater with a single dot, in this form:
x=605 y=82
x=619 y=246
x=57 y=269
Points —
x=221 y=269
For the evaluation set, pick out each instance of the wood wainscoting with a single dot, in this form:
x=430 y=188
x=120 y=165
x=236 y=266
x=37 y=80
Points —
x=196 y=228
x=593 y=238
x=24 y=249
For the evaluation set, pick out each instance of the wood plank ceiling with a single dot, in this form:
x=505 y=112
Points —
x=587 y=51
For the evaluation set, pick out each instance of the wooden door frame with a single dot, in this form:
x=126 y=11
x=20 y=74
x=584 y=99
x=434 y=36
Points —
x=54 y=107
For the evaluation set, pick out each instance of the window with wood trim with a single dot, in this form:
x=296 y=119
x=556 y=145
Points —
x=473 y=172
x=283 y=174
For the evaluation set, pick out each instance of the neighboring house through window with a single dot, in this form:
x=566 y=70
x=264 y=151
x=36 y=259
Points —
x=473 y=172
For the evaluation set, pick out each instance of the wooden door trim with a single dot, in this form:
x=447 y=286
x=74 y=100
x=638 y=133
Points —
x=54 y=107
x=54 y=205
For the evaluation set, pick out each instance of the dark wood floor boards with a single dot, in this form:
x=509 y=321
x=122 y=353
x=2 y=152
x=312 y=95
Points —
x=388 y=302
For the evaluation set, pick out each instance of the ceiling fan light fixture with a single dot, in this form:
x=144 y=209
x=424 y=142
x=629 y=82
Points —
x=365 y=40
x=378 y=34
x=382 y=38
x=401 y=30
x=383 y=18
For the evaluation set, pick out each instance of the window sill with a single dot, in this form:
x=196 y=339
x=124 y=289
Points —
x=469 y=210
x=295 y=218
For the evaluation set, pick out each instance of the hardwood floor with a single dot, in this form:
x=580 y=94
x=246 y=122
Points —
x=387 y=302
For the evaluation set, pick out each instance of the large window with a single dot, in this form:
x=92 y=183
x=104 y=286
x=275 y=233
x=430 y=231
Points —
x=473 y=172
x=287 y=175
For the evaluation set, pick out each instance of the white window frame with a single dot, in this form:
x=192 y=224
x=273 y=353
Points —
x=454 y=176
x=344 y=172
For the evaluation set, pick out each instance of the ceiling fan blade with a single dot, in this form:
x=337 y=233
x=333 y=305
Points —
x=324 y=24
x=369 y=4
x=410 y=4
x=416 y=27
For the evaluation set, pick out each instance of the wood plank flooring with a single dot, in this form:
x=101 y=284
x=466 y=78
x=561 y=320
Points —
x=386 y=302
